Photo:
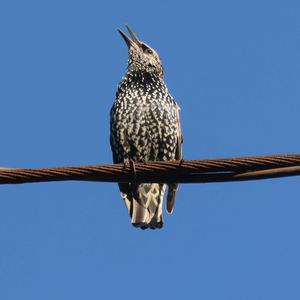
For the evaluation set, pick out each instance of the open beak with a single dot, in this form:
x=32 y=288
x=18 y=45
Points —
x=134 y=41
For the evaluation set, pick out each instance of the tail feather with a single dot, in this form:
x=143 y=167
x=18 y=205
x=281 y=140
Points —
x=144 y=203
x=172 y=190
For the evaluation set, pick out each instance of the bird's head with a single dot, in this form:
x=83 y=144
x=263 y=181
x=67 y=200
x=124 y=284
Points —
x=142 y=58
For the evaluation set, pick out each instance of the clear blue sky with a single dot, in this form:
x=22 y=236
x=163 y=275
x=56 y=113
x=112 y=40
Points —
x=233 y=66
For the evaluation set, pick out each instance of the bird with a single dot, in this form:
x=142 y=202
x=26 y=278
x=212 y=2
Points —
x=145 y=126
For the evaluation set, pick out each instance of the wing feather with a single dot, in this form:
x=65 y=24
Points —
x=173 y=188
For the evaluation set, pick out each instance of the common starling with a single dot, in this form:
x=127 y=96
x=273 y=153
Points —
x=144 y=126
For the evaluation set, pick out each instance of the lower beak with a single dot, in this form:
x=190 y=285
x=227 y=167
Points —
x=127 y=40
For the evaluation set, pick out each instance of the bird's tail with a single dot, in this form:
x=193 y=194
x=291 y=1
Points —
x=145 y=204
x=172 y=190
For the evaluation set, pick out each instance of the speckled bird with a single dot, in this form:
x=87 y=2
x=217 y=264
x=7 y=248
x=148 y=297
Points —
x=145 y=126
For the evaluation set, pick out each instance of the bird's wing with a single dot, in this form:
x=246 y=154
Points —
x=179 y=134
x=173 y=188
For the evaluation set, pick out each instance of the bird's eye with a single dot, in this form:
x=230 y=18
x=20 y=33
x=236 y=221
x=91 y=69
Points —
x=149 y=51
x=146 y=49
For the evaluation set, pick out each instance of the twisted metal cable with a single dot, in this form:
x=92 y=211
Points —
x=185 y=171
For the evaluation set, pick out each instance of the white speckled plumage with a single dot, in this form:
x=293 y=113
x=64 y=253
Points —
x=145 y=126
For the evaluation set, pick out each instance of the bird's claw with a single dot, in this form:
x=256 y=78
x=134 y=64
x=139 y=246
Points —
x=130 y=163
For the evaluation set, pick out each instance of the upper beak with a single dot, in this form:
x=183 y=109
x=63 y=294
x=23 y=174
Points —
x=130 y=42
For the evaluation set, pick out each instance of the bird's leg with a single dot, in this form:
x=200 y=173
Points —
x=128 y=162
x=132 y=168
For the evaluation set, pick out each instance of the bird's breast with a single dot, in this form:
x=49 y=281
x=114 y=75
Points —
x=143 y=120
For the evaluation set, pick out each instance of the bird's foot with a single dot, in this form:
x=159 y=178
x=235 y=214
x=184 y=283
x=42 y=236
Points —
x=129 y=163
x=144 y=161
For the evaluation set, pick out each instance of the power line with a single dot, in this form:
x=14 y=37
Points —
x=185 y=171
